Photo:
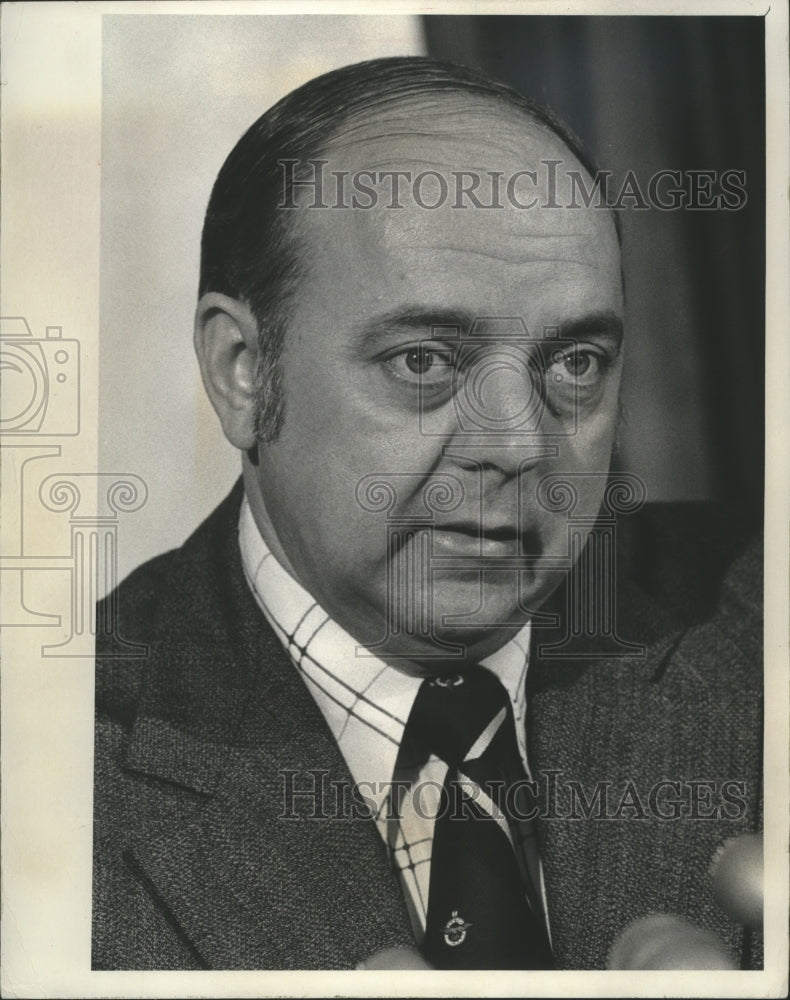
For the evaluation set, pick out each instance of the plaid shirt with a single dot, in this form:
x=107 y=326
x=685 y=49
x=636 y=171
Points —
x=366 y=704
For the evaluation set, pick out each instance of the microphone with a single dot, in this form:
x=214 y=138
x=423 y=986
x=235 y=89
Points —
x=394 y=958
x=737 y=876
x=664 y=941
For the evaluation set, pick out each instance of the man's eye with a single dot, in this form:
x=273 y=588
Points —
x=426 y=365
x=579 y=367
x=421 y=359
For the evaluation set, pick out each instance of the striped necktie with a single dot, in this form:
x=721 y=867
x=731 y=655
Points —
x=484 y=909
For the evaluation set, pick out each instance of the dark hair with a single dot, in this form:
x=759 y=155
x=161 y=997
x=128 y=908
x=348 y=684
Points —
x=248 y=249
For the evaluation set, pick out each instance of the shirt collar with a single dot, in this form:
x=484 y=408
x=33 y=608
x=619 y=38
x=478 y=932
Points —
x=365 y=701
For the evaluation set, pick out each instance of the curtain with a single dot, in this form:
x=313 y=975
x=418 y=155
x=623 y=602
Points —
x=664 y=93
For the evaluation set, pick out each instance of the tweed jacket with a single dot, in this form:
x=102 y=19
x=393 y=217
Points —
x=201 y=863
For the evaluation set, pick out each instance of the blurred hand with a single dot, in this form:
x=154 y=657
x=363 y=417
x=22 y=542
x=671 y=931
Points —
x=663 y=941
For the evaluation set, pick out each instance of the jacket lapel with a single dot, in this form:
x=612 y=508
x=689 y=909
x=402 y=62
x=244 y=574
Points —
x=274 y=870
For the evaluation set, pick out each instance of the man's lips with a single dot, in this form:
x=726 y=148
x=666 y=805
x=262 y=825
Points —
x=468 y=538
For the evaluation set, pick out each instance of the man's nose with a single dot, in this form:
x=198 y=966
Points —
x=501 y=420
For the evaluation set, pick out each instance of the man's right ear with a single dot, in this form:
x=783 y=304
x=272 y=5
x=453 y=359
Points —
x=226 y=344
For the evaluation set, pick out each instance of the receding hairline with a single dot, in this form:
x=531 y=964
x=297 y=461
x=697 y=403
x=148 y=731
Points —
x=417 y=116
x=525 y=139
x=382 y=120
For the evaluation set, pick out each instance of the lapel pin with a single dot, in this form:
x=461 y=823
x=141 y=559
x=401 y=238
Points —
x=455 y=930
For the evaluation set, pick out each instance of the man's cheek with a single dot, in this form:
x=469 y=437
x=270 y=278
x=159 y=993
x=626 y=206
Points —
x=590 y=449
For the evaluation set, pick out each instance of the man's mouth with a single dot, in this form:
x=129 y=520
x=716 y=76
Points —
x=467 y=538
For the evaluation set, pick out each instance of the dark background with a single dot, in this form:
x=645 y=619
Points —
x=648 y=94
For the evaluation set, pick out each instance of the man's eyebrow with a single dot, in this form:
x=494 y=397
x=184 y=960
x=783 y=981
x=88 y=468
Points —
x=425 y=321
x=606 y=323
x=414 y=319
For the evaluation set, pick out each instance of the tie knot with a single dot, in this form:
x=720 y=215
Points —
x=456 y=717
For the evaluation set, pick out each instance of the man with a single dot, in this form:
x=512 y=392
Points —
x=396 y=694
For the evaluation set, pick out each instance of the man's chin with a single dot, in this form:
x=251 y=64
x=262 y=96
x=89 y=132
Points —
x=454 y=635
x=476 y=604
x=446 y=650
x=465 y=617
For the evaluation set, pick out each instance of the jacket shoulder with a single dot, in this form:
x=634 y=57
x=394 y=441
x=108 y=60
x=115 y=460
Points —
x=133 y=610
x=690 y=556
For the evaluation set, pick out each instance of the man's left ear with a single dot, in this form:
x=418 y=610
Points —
x=226 y=344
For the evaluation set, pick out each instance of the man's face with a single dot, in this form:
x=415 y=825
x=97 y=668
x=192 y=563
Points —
x=402 y=490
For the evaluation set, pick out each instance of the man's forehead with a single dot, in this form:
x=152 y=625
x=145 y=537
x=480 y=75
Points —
x=479 y=172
